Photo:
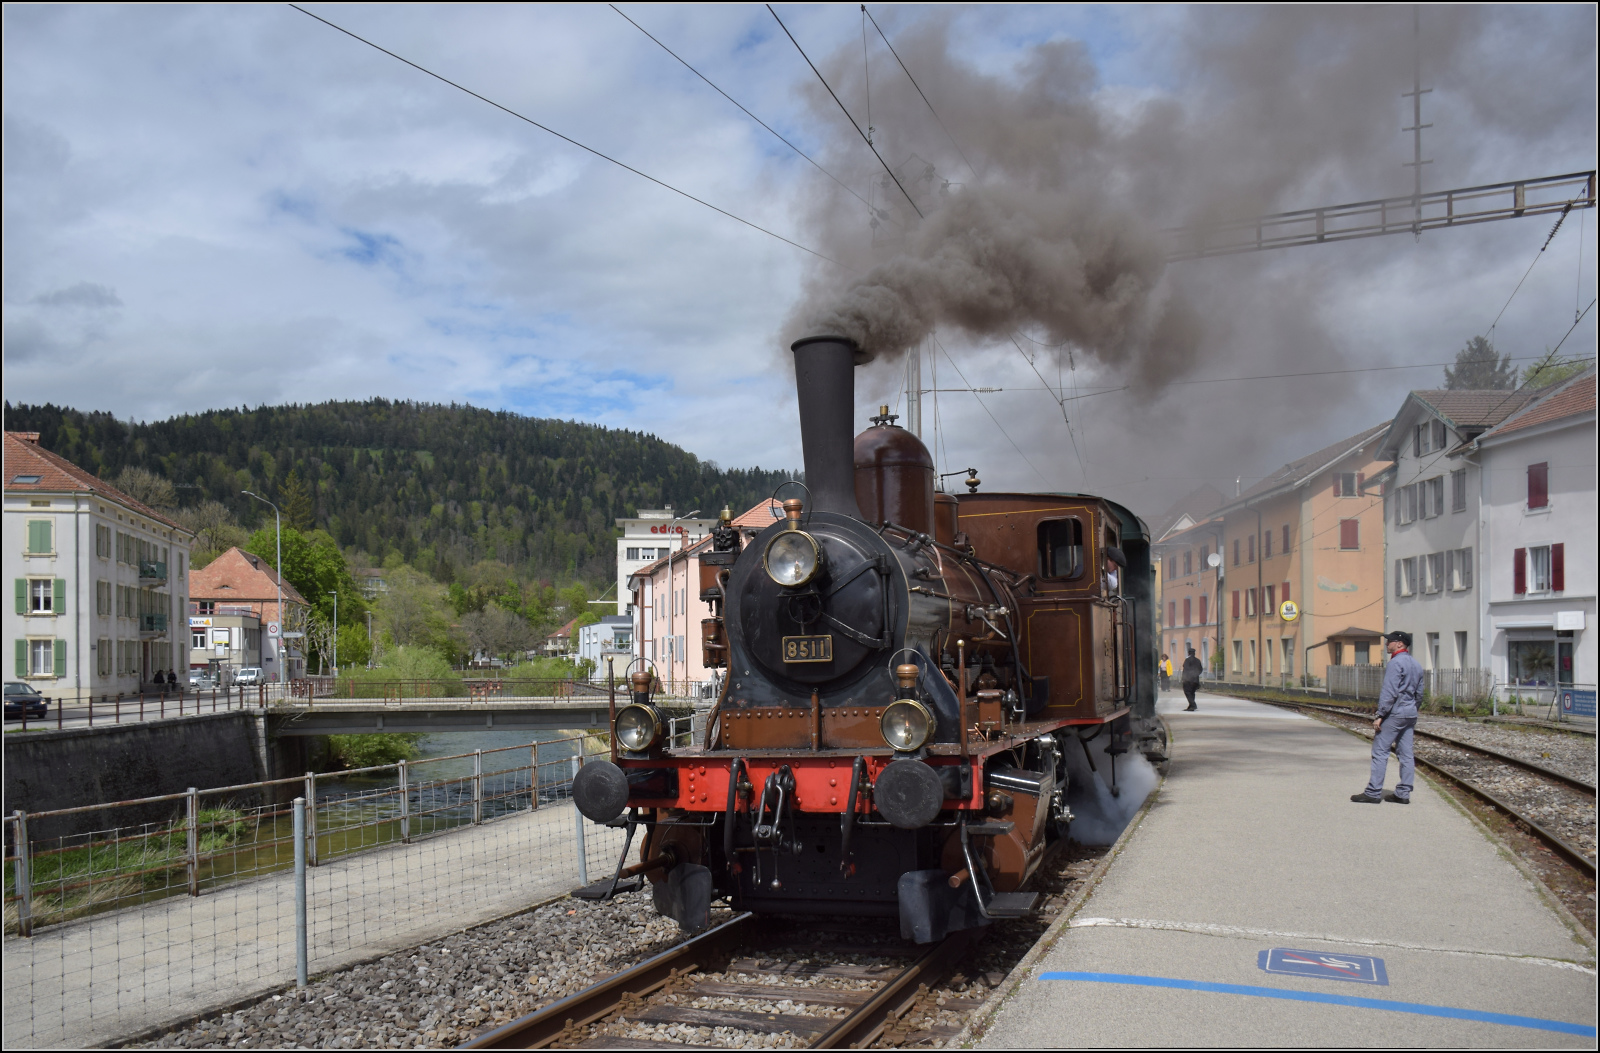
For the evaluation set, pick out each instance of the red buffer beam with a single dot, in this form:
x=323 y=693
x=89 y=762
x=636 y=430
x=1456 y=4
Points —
x=1395 y=215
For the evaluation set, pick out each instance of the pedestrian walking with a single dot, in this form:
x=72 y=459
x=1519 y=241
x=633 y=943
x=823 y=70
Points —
x=1191 y=680
x=1166 y=673
x=1398 y=703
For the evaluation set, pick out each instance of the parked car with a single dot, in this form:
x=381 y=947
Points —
x=201 y=681
x=23 y=701
x=249 y=676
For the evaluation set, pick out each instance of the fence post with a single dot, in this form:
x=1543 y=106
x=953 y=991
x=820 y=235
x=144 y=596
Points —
x=577 y=821
x=24 y=879
x=192 y=848
x=405 y=806
x=477 y=787
x=311 y=818
x=300 y=892
x=533 y=779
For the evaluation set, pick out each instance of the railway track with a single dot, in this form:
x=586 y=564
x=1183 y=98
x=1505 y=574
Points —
x=1468 y=766
x=751 y=978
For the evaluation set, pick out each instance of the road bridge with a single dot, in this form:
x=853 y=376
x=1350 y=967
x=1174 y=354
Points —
x=433 y=715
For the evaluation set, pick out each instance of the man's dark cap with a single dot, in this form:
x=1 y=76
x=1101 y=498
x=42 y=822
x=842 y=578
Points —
x=1403 y=637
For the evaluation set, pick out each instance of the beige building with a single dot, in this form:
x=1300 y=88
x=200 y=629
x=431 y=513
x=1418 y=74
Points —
x=1311 y=536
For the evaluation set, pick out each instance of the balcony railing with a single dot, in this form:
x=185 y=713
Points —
x=152 y=570
x=153 y=623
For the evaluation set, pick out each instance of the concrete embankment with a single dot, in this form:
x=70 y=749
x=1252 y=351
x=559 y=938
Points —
x=46 y=770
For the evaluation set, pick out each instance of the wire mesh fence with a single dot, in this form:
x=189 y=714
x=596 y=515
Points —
x=151 y=919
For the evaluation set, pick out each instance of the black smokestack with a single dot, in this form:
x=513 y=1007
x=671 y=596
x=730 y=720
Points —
x=824 y=378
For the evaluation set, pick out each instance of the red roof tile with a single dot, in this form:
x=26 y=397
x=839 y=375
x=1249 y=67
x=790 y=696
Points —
x=1577 y=396
x=25 y=458
x=239 y=576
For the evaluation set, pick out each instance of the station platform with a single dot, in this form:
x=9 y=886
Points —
x=1253 y=855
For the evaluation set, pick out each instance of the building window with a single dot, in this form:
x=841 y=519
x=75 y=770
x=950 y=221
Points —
x=1433 y=572
x=1268 y=600
x=1462 y=658
x=102 y=598
x=1203 y=611
x=1286 y=537
x=1336 y=654
x=1363 y=652
x=102 y=541
x=633 y=553
x=1236 y=552
x=1530 y=662
x=1405 y=576
x=1249 y=603
x=1347 y=484
x=1250 y=549
x=1458 y=490
x=1188 y=564
x=42 y=657
x=1266 y=545
x=1236 y=604
x=206 y=607
x=1187 y=611
x=1349 y=534
x=1172 y=612
x=1252 y=668
x=1539 y=568
x=1288 y=656
x=1433 y=496
x=1238 y=656
x=41 y=537
x=41 y=596
x=1538 y=488
x=103 y=656
x=1286 y=592
x=197 y=639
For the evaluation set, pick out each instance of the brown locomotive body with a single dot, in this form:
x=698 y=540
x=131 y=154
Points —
x=904 y=673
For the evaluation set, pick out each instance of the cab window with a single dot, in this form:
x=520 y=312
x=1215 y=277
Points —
x=1060 y=548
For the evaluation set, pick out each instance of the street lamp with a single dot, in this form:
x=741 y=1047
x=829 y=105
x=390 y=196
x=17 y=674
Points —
x=277 y=653
x=335 y=596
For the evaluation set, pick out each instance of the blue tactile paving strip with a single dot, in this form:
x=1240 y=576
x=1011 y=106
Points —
x=1415 y=1008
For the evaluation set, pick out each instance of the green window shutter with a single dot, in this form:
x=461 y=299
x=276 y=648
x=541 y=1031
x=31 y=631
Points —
x=60 y=597
x=39 y=535
x=22 y=658
x=22 y=598
x=61 y=658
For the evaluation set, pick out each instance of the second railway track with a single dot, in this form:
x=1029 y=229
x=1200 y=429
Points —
x=1558 y=809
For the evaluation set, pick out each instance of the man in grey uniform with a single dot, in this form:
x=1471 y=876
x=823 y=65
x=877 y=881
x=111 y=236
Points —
x=1397 y=719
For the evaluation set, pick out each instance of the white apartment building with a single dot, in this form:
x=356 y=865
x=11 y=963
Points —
x=1434 y=532
x=609 y=638
x=100 y=579
x=649 y=536
x=1539 y=525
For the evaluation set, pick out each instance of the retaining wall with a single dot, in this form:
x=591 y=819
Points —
x=45 y=770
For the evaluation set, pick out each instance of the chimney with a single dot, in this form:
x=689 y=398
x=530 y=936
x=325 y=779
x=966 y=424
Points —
x=824 y=379
x=27 y=436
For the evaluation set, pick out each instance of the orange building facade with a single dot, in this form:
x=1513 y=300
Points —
x=1302 y=572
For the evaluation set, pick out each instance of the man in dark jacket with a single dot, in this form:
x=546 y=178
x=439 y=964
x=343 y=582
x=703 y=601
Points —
x=1191 y=679
x=1398 y=703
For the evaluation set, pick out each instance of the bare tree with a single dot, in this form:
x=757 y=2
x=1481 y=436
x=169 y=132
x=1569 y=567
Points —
x=496 y=631
x=147 y=487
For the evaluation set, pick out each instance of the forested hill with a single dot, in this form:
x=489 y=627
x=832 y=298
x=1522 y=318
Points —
x=445 y=486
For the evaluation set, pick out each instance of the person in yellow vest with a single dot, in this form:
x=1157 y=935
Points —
x=1166 y=673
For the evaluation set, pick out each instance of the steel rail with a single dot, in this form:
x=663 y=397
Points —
x=564 y=1019
x=1472 y=747
x=1567 y=851
x=863 y=1026
x=540 y=1028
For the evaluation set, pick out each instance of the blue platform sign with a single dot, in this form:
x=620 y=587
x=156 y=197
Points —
x=1577 y=703
x=1357 y=968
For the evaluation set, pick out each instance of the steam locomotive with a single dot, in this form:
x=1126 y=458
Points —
x=905 y=672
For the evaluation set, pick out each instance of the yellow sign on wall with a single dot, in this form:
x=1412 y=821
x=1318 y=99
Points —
x=1288 y=611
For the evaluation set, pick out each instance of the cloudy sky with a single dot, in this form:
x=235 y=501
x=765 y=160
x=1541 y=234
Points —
x=218 y=206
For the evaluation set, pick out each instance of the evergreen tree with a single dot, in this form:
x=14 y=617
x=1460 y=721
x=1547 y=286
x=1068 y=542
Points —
x=1480 y=368
x=1544 y=374
x=295 y=501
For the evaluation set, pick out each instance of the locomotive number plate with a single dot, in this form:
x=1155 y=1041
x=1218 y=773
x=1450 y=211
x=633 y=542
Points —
x=808 y=648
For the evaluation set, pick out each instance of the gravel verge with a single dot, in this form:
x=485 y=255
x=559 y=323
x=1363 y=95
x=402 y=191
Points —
x=1573 y=755
x=443 y=992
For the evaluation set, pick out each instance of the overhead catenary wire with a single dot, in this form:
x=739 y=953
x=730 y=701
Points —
x=864 y=137
x=992 y=417
x=924 y=94
x=1536 y=258
x=745 y=110
x=568 y=139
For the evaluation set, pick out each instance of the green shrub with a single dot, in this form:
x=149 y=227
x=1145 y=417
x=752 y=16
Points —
x=366 y=751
